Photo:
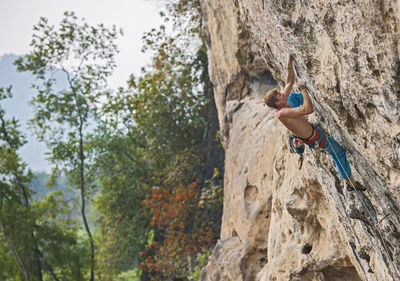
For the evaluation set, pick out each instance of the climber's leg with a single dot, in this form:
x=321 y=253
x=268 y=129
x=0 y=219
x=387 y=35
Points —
x=338 y=154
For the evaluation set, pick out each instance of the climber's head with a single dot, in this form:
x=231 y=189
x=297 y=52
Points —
x=274 y=99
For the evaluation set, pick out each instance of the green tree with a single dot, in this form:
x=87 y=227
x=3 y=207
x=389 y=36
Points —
x=152 y=139
x=175 y=113
x=15 y=177
x=35 y=242
x=120 y=169
x=65 y=119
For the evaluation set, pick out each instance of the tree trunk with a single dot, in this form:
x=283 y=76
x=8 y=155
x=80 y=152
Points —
x=83 y=209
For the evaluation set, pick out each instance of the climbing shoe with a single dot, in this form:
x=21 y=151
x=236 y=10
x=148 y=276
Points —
x=357 y=186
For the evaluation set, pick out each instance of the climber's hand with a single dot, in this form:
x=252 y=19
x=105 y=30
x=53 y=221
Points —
x=290 y=60
x=302 y=83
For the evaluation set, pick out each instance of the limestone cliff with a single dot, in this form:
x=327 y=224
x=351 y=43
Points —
x=285 y=223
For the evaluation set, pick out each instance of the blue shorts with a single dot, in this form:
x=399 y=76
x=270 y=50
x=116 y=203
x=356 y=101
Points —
x=337 y=152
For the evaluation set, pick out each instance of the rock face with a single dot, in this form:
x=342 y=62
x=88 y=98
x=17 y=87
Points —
x=286 y=222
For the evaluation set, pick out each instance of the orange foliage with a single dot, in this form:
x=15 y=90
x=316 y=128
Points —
x=173 y=211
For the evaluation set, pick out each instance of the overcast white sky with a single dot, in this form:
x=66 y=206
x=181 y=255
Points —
x=135 y=17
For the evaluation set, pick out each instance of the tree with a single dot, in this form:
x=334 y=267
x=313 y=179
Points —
x=156 y=145
x=65 y=119
x=120 y=168
x=35 y=238
x=175 y=113
x=14 y=198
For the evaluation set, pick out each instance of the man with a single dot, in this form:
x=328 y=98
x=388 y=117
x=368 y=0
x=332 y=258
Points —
x=291 y=111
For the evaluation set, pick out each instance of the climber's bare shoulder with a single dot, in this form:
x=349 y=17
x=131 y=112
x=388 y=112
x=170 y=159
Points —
x=294 y=120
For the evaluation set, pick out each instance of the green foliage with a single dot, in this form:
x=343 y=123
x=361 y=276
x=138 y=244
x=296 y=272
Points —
x=131 y=275
x=58 y=236
x=86 y=56
x=159 y=121
x=37 y=240
x=167 y=99
x=65 y=119
x=144 y=156
x=14 y=198
x=120 y=165
x=201 y=261
x=170 y=101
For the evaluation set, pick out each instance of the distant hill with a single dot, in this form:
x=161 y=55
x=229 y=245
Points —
x=33 y=152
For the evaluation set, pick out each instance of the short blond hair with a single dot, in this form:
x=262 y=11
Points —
x=270 y=98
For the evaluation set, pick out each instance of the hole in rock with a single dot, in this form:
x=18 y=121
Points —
x=377 y=74
x=306 y=249
x=250 y=193
x=263 y=261
x=359 y=113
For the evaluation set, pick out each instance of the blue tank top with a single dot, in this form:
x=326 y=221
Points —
x=295 y=99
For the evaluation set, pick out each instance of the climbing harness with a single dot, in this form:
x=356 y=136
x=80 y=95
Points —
x=297 y=146
x=299 y=149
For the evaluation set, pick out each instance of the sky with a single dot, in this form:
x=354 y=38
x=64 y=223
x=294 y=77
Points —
x=135 y=17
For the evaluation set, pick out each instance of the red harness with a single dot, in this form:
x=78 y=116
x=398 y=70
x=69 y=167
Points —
x=309 y=141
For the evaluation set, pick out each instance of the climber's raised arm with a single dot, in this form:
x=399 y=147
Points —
x=307 y=105
x=289 y=77
x=305 y=109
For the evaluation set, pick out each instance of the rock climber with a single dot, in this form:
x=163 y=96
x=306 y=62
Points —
x=291 y=111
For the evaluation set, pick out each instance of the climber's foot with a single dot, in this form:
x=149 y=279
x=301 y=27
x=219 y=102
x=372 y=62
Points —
x=356 y=185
